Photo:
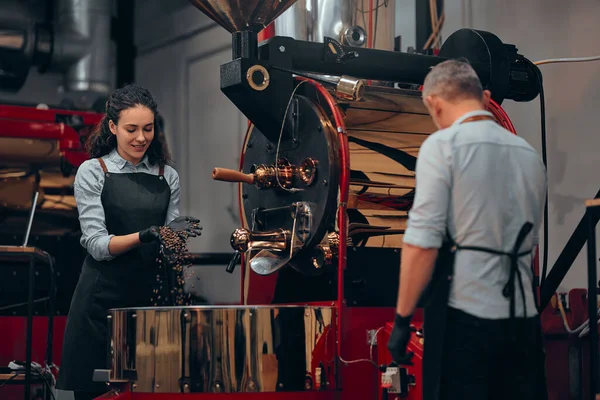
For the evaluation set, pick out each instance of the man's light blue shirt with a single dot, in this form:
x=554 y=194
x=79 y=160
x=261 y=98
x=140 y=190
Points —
x=482 y=183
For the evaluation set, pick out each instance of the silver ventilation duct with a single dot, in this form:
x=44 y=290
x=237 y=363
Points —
x=82 y=44
x=77 y=43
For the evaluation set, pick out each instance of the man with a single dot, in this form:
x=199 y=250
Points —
x=480 y=192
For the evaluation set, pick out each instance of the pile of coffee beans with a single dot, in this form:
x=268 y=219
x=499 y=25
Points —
x=173 y=262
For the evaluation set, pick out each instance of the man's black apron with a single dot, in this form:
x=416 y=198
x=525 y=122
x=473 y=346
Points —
x=436 y=305
x=132 y=202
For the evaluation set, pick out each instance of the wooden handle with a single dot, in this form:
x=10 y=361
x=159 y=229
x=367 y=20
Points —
x=230 y=175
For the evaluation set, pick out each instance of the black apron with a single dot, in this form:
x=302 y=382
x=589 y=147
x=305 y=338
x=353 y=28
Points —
x=436 y=299
x=132 y=202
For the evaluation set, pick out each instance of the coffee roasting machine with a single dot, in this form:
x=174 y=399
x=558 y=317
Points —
x=326 y=179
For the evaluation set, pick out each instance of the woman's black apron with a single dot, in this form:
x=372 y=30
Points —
x=132 y=202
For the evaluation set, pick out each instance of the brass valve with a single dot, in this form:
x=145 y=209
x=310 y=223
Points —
x=267 y=176
x=326 y=252
x=243 y=240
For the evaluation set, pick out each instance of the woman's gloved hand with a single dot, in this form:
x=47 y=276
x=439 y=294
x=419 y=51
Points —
x=189 y=225
x=150 y=235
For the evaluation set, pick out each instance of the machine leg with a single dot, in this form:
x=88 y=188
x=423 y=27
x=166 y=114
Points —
x=51 y=311
x=28 y=340
x=592 y=300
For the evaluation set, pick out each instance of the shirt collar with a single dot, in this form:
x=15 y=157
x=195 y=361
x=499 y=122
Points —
x=472 y=114
x=120 y=162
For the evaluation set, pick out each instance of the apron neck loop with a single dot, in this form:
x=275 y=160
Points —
x=478 y=118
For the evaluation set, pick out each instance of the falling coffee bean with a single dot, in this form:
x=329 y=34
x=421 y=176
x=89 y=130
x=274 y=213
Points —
x=173 y=261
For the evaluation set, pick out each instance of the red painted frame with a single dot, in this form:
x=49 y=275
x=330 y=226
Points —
x=334 y=395
x=32 y=123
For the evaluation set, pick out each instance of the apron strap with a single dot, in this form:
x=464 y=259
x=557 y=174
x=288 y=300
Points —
x=514 y=255
x=103 y=165
x=479 y=118
x=161 y=170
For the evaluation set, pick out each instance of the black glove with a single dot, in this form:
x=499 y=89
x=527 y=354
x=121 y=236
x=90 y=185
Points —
x=399 y=340
x=150 y=235
x=188 y=225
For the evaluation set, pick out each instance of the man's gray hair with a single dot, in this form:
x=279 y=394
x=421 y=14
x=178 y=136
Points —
x=453 y=80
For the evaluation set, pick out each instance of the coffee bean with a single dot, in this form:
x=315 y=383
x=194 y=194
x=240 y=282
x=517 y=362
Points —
x=173 y=260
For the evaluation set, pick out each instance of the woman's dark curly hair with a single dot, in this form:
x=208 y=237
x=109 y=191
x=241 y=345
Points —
x=101 y=141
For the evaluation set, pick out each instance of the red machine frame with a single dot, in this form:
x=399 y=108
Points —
x=36 y=123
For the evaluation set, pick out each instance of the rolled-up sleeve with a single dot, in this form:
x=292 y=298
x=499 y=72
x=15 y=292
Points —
x=427 y=219
x=88 y=185
x=172 y=178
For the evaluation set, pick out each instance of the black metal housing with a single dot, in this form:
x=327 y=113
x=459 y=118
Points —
x=123 y=28
x=567 y=257
x=304 y=135
x=499 y=66
x=592 y=215
x=244 y=44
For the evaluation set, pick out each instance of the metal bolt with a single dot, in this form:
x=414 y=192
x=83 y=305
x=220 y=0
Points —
x=282 y=49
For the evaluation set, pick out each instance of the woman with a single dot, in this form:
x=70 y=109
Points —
x=123 y=193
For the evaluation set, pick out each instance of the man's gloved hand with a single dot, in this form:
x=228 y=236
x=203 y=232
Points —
x=150 y=235
x=188 y=225
x=399 y=340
